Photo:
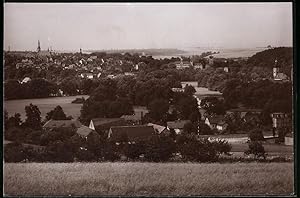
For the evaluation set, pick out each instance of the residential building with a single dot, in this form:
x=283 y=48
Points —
x=182 y=64
x=26 y=80
x=159 y=129
x=226 y=69
x=243 y=111
x=198 y=66
x=87 y=75
x=177 y=125
x=177 y=89
x=104 y=124
x=85 y=132
x=281 y=120
x=216 y=122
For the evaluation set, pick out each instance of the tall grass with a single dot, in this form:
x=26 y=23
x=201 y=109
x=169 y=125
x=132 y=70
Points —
x=148 y=179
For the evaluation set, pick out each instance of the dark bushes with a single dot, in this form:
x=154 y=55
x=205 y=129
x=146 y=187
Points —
x=256 y=135
x=256 y=148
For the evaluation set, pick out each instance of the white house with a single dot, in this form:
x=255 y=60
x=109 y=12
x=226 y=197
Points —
x=87 y=75
x=26 y=80
x=158 y=128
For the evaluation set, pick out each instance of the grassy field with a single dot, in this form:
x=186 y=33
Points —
x=148 y=179
x=45 y=105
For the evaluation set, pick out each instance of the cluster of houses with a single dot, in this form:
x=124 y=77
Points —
x=130 y=127
x=116 y=129
x=87 y=66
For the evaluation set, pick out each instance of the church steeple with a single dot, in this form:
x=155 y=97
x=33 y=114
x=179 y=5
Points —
x=39 y=46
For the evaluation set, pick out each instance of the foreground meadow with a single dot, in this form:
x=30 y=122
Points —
x=148 y=179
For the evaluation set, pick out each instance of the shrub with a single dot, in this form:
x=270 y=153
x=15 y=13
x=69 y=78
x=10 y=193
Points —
x=133 y=151
x=221 y=146
x=256 y=135
x=59 y=152
x=256 y=148
x=14 y=152
x=159 y=148
x=85 y=155
x=110 y=152
x=195 y=149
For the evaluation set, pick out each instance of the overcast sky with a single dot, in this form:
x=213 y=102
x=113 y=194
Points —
x=151 y=25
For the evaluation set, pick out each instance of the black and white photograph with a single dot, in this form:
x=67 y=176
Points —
x=148 y=99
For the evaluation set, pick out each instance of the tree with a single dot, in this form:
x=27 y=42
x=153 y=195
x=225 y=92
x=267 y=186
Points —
x=256 y=135
x=12 y=89
x=190 y=128
x=33 y=119
x=196 y=149
x=213 y=105
x=256 y=148
x=14 y=121
x=189 y=90
x=158 y=109
x=40 y=88
x=159 y=148
x=14 y=152
x=186 y=105
x=204 y=129
x=58 y=151
x=57 y=114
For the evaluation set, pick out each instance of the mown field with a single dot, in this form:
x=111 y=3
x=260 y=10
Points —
x=133 y=179
x=45 y=105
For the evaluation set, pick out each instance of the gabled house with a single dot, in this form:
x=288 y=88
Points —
x=104 y=124
x=175 y=89
x=130 y=134
x=159 y=129
x=87 y=75
x=243 y=111
x=198 y=66
x=62 y=123
x=26 y=80
x=177 y=125
x=182 y=64
x=226 y=69
x=216 y=122
x=137 y=116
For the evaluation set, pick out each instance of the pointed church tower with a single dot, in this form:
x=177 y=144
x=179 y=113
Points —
x=39 y=46
x=275 y=69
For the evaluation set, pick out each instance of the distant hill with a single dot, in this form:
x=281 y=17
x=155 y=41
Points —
x=266 y=58
x=152 y=52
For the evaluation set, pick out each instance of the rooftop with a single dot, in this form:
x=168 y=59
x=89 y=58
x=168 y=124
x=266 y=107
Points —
x=132 y=132
x=84 y=131
x=102 y=121
x=177 y=124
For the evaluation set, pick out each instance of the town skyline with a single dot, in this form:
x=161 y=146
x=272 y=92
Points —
x=59 y=26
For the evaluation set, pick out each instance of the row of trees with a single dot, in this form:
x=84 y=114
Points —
x=62 y=145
